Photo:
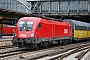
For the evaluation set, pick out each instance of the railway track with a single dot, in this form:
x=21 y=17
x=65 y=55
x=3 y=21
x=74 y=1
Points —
x=9 y=46
x=44 y=53
x=10 y=52
x=5 y=42
x=61 y=54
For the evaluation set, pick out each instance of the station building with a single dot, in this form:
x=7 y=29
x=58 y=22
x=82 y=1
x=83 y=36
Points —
x=73 y=9
x=15 y=5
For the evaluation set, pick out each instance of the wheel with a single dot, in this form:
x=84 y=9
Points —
x=65 y=42
x=45 y=44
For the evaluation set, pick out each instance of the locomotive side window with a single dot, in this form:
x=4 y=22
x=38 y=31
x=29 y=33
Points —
x=39 y=25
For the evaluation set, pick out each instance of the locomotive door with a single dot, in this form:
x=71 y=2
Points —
x=53 y=30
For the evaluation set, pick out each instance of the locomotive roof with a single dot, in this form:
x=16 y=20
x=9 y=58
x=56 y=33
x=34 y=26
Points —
x=44 y=20
x=28 y=18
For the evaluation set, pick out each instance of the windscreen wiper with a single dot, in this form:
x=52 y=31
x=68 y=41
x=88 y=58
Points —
x=22 y=27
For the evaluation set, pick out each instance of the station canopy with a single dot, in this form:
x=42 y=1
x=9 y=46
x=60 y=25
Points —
x=14 y=5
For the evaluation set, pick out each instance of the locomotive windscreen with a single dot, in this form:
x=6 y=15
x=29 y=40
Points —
x=25 y=25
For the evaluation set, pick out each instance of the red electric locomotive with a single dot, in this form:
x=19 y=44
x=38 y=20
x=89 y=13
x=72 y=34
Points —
x=36 y=32
x=7 y=29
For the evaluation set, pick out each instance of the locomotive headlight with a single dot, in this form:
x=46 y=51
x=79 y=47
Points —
x=32 y=34
x=15 y=34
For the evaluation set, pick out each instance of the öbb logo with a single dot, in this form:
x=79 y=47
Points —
x=65 y=30
x=22 y=34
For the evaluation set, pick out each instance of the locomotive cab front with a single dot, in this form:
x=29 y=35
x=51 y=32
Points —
x=25 y=31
